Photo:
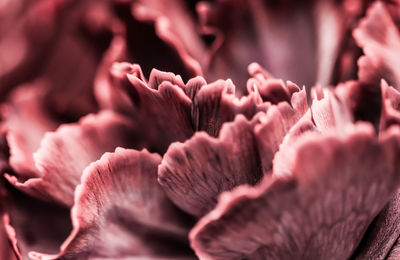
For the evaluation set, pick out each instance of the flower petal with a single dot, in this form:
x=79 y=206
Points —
x=25 y=111
x=390 y=106
x=121 y=211
x=194 y=173
x=394 y=252
x=174 y=24
x=338 y=185
x=379 y=38
x=65 y=153
x=32 y=224
x=383 y=233
x=166 y=100
x=276 y=124
x=216 y=103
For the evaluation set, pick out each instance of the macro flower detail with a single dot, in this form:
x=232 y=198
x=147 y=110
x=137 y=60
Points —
x=224 y=129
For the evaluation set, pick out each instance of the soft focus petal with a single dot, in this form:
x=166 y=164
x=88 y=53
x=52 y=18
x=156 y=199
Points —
x=65 y=153
x=120 y=210
x=379 y=38
x=25 y=111
x=174 y=24
x=321 y=211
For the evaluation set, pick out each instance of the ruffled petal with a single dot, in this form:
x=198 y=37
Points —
x=65 y=153
x=121 y=211
x=276 y=123
x=336 y=188
x=379 y=38
x=154 y=105
x=216 y=103
x=194 y=173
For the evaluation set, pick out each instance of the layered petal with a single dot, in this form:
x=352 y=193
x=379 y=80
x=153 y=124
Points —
x=194 y=173
x=216 y=103
x=65 y=153
x=165 y=100
x=276 y=123
x=120 y=211
x=336 y=188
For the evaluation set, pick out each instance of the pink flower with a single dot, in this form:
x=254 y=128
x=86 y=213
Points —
x=105 y=156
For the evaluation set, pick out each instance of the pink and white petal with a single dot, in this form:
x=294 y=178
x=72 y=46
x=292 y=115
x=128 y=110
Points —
x=25 y=111
x=194 y=173
x=320 y=212
x=379 y=38
x=275 y=124
x=120 y=211
x=65 y=153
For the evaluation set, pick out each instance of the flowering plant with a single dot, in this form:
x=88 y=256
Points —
x=273 y=134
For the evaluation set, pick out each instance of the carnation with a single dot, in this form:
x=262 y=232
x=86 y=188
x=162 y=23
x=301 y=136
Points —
x=224 y=129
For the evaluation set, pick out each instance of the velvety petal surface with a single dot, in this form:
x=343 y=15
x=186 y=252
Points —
x=121 y=211
x=320 y=211
x=194 y=173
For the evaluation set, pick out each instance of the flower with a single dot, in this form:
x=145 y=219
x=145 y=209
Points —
x=106 y=156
